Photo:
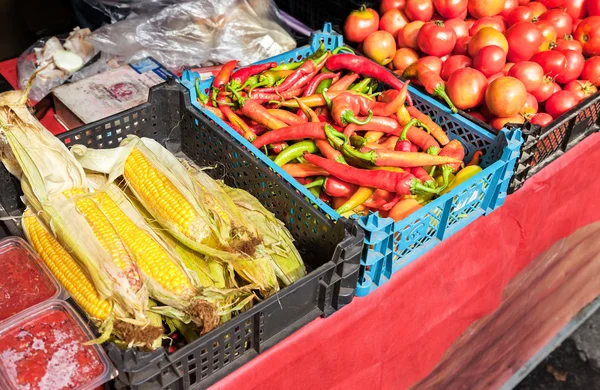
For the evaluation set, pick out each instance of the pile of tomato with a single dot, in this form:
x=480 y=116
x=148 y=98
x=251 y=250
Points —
x=502 y=61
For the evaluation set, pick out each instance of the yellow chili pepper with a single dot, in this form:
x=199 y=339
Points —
x=462 y=176
x=391 y=169
x=359 y=197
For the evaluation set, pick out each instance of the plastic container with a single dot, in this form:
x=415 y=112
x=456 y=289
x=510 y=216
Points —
x=390 y=245
x=331 y=249
x=42 y=348
x=25 y=282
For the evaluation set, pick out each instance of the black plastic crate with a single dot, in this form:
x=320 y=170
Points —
x=315 y=13
x=541 y=146
x=331 y=250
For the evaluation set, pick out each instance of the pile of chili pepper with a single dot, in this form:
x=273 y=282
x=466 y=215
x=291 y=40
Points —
x=324 y=122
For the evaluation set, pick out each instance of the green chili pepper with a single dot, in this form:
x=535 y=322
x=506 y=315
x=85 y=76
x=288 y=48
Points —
x=343 y=49
x=202 y=97
x=315 y=183
x=362 y=86
x=295 y=151
x=316 y=191
x=289 y=66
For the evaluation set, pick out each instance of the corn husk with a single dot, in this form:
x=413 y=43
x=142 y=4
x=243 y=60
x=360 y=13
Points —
x=221 y=239
x=278 y=241
x=44 y=164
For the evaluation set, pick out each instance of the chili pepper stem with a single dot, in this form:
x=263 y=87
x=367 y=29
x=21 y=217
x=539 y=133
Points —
x=349 y=117
x=446 y=171
x=441 y=92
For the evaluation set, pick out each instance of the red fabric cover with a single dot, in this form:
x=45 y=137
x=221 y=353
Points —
x=395 y=336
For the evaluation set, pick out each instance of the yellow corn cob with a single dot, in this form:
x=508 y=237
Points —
x=106 y=233
x=148 y=254
x=66 y=269
x=155 y=187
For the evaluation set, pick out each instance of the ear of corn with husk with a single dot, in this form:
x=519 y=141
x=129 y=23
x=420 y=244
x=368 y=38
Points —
x=253 y=216
x=53 y=181
x=185 y=207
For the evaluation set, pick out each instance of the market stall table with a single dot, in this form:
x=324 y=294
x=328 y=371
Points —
x=395 y=336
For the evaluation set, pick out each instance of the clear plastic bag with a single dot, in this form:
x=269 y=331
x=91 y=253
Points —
x=195 y=33
x=40 y=57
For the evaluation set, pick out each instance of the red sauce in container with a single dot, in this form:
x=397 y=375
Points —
x=46 y=352
x=23 y=283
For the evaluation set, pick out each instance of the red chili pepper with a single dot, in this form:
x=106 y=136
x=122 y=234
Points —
x=379 y=199
x=366 y=68
x=253 y=110
x=436 y=131
x=306 y=130
x=316 y=100
x=239 y=77
x=344 y=83
x=311 y=87
x=324 y=119
x=338 y=188
x=302 y=74
x=304 y=170
x=215 y=111
x=238 y=123
x=418 y=137
x=266 y=97
x=278 y=147
x=403 y=145
x=422 y=175
x=222 y=78
x=288 y=117
x=378 y=123
x=403 y=183
x=432 y=82
x=307 y=111
x=344 y=107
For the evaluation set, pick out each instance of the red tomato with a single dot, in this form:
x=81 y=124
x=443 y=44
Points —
x=507 y=68
x=576 y=8
x=462 y=46
x=393 y=21
x=575 y=24
x=582 y=88
x=520 y=14
x=500 y=123
x=419 y=10
x=436 y=39
x=404 y=57
x=591 y=71
x=432 y=62
x=505 y=96
x=588 y=34
x=492 y=22
x=524 y=39
x=509 y=5
x=549 y=34
x=545 y=91
x=593 y=7
x=561 y=102
x=541 y=119
x=387 y=5
x=489 y=60
x=495 y=76
x=537 y=8
x=449 y=9
x=524 y=2
x=530 y=108
x=466 y=88
x=360 y=23
x=454 y=63
x=380 y=46
x=482 y=8
x=552 y=3
x=568 y=43
x=555 y=88
x=459 y=26
x=529 y=73
x=470 y=22
x=560 y=19
x=553 y=62
x=574 y=67
x=487 y=36
x=407 y=37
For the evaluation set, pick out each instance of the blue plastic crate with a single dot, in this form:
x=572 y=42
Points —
x=389 y=245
